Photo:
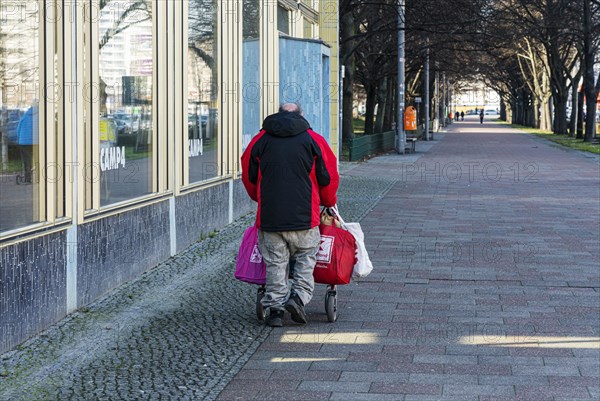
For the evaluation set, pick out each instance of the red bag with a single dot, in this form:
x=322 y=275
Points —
x=336 y=256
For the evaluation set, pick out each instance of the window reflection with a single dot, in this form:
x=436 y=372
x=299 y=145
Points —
x=250 y=71
x=308 y=29
x=125 y=100
x=202 y=75
x=283 y=20
x=19 y=115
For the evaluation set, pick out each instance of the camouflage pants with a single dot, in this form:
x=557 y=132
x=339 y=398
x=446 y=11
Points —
x=277 y=248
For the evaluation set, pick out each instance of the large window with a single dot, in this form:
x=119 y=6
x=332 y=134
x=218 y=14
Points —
x=21 y=181
x=203 y=145
x=124 y=91
x=251 y=91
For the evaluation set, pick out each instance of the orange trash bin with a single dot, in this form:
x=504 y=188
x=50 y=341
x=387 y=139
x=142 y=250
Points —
x=410 y=119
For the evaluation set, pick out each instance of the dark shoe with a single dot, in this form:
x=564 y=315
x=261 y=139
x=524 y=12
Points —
x=295 y=306
x=275 y=318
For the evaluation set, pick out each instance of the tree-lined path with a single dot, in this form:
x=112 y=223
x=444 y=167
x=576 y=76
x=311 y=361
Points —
x=486 y=283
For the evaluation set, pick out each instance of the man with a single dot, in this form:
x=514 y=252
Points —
x=290 y=171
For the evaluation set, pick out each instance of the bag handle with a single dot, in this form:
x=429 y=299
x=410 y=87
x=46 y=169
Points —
x=336 y=212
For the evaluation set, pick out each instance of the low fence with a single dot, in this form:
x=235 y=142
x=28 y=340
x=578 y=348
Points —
x=371 y=144
x=366 y=145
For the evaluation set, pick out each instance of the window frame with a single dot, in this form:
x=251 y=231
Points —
x=44 y=194
x=224 y=121
x=90 y=199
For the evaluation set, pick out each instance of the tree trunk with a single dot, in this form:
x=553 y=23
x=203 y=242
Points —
x=519 y=108
x=370 y=109
x=513 y=109
x=590 y=115
x=560 y=113
x=591 y=90
x=545 y=115
x=347 y=106
x=580 y=115
x=347 y=57
x=560 y=95
x=535 y=115
x=558 y=81
x=523 y=107
x=387 y=121
x=545 y=105
x=530 y=113
x=381 y=105
x=574 y=109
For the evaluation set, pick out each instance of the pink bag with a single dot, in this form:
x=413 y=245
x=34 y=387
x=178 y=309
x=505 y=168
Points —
x=250 y=266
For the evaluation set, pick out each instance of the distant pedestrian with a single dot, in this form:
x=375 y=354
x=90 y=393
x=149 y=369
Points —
x=457 y=115
x=481 y=116
x=26 y=138
x=290 y=171
x=462 y=116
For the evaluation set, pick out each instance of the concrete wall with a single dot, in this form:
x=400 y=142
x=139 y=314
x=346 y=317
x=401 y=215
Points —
x=32 y=287
x=304 y=78
x=109 y=252
x=200 y=212
x=115 y=249
x=242 y=204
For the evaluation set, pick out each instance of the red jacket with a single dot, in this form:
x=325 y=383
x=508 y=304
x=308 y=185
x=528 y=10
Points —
x=290 y=171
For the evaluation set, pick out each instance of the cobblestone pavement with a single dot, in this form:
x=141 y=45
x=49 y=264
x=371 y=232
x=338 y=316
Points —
x=179 y=332
x=486 y=284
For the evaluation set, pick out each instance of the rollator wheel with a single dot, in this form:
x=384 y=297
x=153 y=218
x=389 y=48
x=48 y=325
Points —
x=331 y=305
x=261 y=313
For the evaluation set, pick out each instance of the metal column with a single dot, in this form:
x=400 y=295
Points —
x=444 y=99
x=401 y=135
x=426 y=128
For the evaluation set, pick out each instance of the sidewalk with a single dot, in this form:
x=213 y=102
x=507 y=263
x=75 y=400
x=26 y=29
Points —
x=486 y=284
x=486 y=287
x=180 y=331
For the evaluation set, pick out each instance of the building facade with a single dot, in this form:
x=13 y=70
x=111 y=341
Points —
x=476 y=96
x=122 y=123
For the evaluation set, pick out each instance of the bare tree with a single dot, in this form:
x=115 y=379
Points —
x=134 y=12
x=535 y=70
x=591 y=35
x=202 y=27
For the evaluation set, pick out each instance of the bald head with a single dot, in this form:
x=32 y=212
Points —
x=291 y=107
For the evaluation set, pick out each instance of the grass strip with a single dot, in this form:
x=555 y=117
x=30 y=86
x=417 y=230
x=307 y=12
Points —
x=563 y=140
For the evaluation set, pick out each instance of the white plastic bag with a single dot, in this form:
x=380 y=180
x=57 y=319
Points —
x=363 y=265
